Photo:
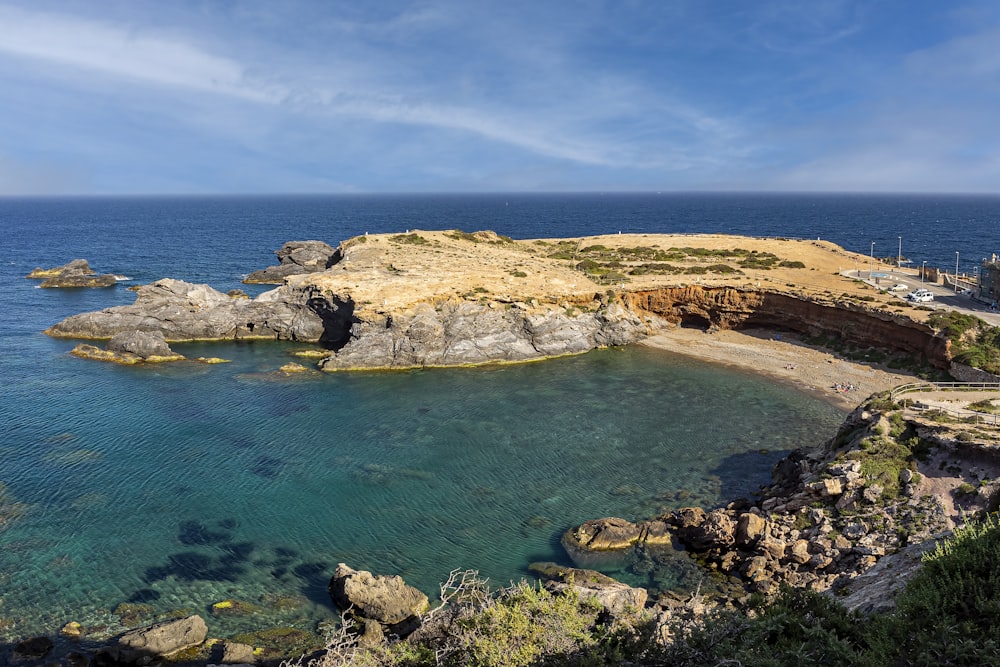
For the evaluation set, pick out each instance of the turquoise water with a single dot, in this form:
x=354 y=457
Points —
x=185 y=484
x=198 y=483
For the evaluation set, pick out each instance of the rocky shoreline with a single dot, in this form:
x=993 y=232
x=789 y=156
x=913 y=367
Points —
x=453 y=299
x=829 y=517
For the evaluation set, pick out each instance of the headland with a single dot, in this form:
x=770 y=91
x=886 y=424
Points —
x=450 y=298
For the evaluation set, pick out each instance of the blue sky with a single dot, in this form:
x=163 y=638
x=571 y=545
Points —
x=248 y=96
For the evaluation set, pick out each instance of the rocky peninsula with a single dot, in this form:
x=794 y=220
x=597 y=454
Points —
x=833 y=518
x=449 y=298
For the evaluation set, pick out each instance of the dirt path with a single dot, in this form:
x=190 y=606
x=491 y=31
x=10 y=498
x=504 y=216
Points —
x=783 y=356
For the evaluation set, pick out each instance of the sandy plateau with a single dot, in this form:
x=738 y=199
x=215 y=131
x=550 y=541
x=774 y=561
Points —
x=391 y=271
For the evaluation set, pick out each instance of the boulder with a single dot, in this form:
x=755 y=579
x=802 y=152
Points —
x=234 y=653
x=606 y=534
x=145 y=344
x=618 y=600
x=164 y=638
x=750 y=529
x=382 y=598
x=717 y=531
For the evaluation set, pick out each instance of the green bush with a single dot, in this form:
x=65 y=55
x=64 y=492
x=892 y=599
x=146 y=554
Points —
x=409 y=239
x=949 y=613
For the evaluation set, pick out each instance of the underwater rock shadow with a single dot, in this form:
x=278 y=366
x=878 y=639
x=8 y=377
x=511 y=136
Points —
x=741 y=475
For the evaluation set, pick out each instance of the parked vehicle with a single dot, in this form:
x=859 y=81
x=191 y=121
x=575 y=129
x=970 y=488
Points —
x=920 y=296
x=898 y=287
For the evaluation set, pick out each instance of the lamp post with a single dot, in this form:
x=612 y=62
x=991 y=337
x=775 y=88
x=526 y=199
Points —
x=871 y=260
x=956 y=272
x=899 y=255
x=923 y=270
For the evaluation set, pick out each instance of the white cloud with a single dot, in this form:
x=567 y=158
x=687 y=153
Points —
x=121 y=51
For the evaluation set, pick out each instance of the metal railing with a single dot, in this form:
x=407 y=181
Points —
x=943 y=386
x=960 y=414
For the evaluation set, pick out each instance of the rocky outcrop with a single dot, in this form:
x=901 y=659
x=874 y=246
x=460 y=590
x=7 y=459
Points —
x=130 y=347
x=471 y=332
x=378 y=601
x=825 y=520
x=617 y=599
x=296 y=258
x=182 y=311
x=162 y=639
x=76 y=273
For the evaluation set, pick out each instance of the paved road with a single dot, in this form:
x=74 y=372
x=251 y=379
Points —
x=944 y=298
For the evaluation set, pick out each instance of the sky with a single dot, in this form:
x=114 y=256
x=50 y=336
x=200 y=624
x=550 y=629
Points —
x=328 y=96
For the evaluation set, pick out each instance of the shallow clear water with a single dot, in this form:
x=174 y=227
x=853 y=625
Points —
x=186 y=484
x=181 y=485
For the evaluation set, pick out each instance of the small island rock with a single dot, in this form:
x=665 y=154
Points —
x=76 y=273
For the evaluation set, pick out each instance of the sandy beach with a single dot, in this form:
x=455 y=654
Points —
x=783 y=356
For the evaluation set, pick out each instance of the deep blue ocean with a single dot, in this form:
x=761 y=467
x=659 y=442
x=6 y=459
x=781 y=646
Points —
x=182 y=485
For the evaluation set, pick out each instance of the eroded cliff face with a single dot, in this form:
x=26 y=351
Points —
x=731 y=308
x=457 y=331
x=453 y=333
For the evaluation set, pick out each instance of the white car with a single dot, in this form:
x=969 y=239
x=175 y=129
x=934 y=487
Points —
x=898 y=287
x=920 y=296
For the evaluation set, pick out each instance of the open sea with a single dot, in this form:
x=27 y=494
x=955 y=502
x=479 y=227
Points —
x=181 y=485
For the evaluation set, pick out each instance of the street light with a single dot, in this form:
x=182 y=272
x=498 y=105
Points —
x=956 y=272
x=923 y=270
x=899 y=255
x=871 y=260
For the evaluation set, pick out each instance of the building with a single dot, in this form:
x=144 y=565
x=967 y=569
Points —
x=989 y=281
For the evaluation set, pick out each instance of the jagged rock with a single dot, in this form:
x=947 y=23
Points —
x=296 y=258
x=716 y=530
x=757 y=568
x=182 y=311
x=750 y=529
x=164 y=638
x=798 y=552
x=465 y=332
x=386 y=599
x=76 y=273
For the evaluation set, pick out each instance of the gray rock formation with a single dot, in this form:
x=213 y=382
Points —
x=164 y=638
x=184 y=311
x=76 y=273
x=618 y=600
x=296 y=258
x=143 y=344
x=468 y=332
x=387 y=600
